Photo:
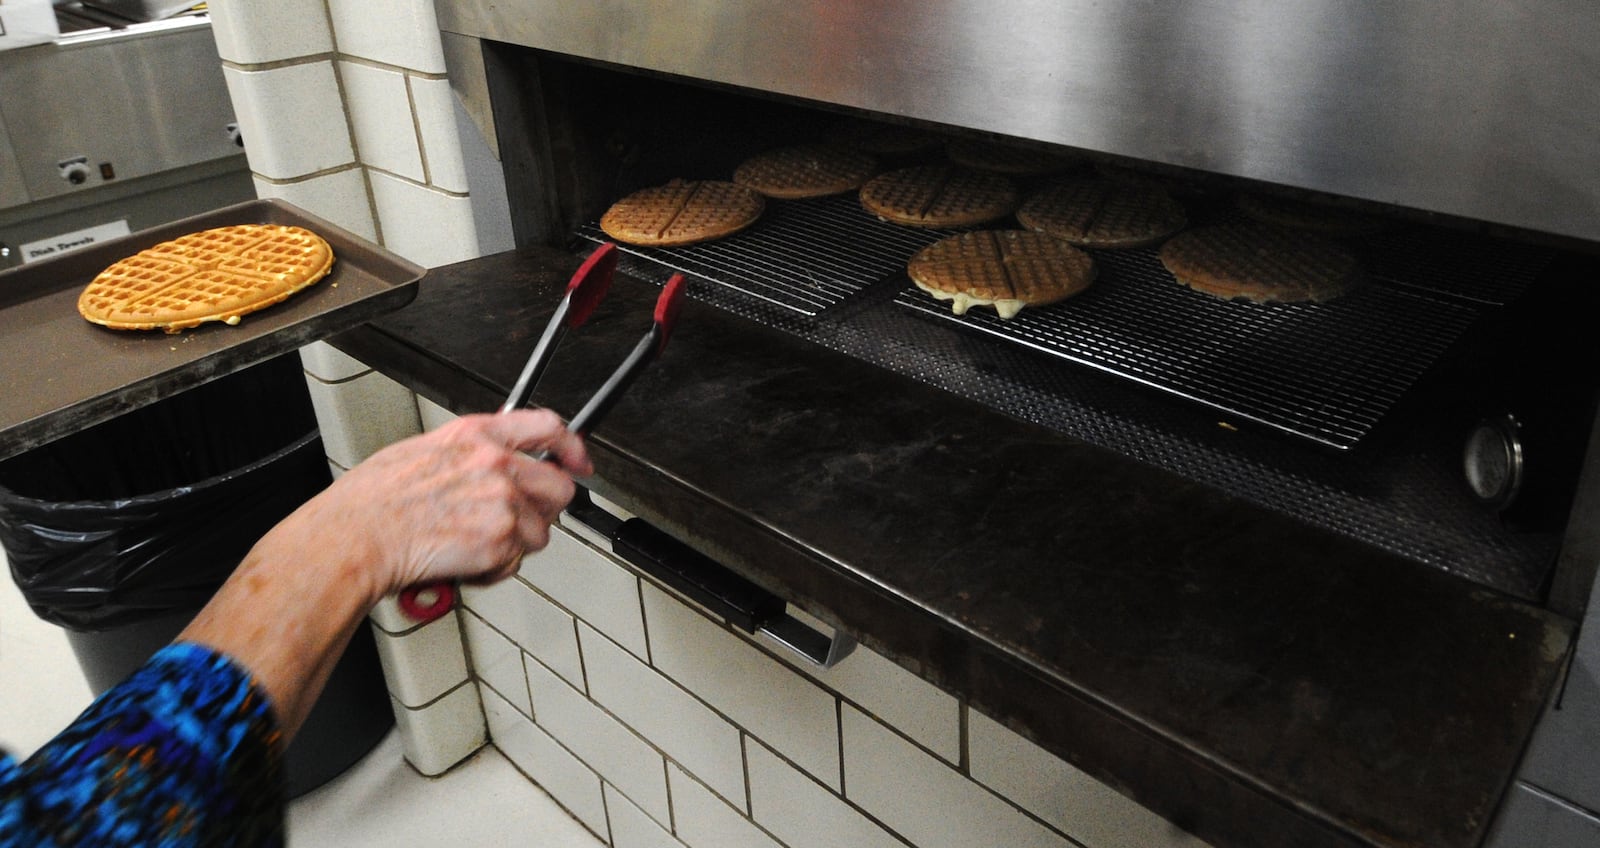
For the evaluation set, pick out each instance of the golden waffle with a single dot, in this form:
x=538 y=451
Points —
x=1307 y=215
x=810 y=170
x=682 y=212
x=1260 y=263
x=1003 y=158
x=1006 y=269
x=1101 y=213
x=213 y=275
x=939 y=196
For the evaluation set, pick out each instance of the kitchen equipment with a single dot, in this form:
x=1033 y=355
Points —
x=1462 y=134
x=583 y=293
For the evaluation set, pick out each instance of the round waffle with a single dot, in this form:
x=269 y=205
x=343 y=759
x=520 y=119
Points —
x=1006 y=269
x=1259 y=263
x=682 y=212
x=1003 y=158
x=939 y=196
x=811 y=170
x=212 y=275
x=1100 y=213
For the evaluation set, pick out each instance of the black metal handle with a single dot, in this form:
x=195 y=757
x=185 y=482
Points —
x=707 y=582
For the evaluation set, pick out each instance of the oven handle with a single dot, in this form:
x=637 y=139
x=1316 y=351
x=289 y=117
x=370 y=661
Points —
x=708 y=583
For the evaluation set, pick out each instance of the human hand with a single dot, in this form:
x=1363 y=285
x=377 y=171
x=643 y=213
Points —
x=462 y=502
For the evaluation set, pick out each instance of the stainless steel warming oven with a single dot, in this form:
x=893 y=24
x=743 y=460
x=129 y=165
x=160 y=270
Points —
x=1441 y=415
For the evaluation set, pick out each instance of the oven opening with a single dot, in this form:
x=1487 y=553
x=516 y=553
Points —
x=1440 y=412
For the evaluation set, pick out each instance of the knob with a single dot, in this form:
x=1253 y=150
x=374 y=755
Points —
x=1493 y=460
x=75 y=171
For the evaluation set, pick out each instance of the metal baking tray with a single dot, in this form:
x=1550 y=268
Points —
x=60 y=374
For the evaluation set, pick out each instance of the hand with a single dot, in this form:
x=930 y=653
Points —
x=462 y=502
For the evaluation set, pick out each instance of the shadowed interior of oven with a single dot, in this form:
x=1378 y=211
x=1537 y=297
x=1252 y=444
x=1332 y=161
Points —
x=1303 y=408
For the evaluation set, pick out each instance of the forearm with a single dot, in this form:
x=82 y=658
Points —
x=288 y=620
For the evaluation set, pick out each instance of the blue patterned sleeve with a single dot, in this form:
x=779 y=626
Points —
x=185 y=752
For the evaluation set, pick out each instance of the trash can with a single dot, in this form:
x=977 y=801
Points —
x=121 y=532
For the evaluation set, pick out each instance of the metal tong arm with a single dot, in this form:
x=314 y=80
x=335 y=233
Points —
x=539 y=359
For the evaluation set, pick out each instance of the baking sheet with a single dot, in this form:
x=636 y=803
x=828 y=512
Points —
x=60 y=374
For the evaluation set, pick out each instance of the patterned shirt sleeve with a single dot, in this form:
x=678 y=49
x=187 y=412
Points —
x=185 y=752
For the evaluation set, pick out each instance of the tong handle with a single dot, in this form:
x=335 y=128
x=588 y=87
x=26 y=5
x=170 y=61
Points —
x=430 y=601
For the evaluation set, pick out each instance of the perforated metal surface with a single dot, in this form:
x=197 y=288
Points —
x=807 y=256
x=1404 y=496
x=1324 y=371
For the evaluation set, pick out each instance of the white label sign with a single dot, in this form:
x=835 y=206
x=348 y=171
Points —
x=57 y=245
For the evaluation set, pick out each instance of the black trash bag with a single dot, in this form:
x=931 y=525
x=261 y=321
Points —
x=150 y=512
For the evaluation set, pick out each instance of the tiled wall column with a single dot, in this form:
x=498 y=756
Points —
x=346 y=112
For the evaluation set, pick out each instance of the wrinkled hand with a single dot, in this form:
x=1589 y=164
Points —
x=465 y=501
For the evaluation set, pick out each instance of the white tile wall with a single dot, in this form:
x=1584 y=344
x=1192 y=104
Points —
x=616 y=753
x=443 y=733
x=423 y=664
x=706 y=821
x=427 y=226
x=591 y=584
x=437 y=126
x=360 y=416
x=331 y=97
x=496 y=662
x=684 y=728
x=1081 y=806
x=925 y=801
x=931 y=717
x=433 y=415
x=395 y=32
x=532 y=622
x=546 y=762
x=253 y=33
x=339 y=197
x=788 y=712
x=804 y=813
x=292 y=119
x=631 y=828
x=379 y=101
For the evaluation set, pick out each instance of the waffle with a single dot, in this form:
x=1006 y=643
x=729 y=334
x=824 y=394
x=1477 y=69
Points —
x=682 y=212
x=1307 y=215
x=939 y=196
x=1002 y=158
x=212 y=275
x=1259 y=263
x=811 y=170
x=1006 y=269
x=1101 y=213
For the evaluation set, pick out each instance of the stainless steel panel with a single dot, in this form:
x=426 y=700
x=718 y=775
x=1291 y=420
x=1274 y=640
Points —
x=1481 y=110
x=12 y=191
x=143 y=101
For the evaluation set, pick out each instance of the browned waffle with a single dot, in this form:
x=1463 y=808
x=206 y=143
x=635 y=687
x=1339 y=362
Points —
x=1260 y=263
x=1100 y=213
x=682 y=212
x=1003 y=158
x=939 y=196
x=1006 y=269
x=213 y=275
x=811 y=170
x=1324 y=218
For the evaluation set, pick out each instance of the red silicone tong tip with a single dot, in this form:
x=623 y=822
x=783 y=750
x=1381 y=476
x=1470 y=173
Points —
x=667 y=308
x=590 y=284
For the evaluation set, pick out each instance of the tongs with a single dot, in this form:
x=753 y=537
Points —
x=586 y=289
